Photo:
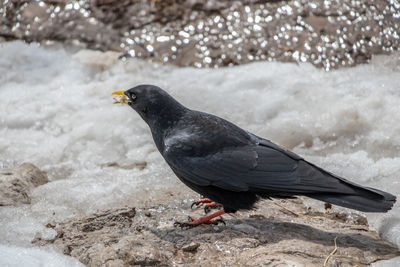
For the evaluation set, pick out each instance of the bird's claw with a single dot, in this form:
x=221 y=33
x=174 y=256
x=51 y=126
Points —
x=201 y=202
x=207 y=209
x=182 y=225
x=220 y=220
x=195 y=204
x=185 y=225
x=210 y=206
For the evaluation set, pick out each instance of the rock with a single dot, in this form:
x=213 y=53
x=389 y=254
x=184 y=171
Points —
x=192 y=247
x=269 y=235
x=16 y=183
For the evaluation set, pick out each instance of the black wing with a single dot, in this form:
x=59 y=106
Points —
x=262 y=167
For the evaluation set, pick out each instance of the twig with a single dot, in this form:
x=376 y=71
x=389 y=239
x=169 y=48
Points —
x=281 y=206
x=332 y=253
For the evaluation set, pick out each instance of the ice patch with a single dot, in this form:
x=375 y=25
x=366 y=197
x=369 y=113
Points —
x=12 y=256
x=387 y=263
x=56 y=111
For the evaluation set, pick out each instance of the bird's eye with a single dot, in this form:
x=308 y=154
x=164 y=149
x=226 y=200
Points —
x=133 y=96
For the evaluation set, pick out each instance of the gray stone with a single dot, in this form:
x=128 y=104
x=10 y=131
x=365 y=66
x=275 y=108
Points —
x=192 y=247
x=16 y=183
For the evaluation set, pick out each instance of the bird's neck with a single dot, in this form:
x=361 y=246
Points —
x=161 y=124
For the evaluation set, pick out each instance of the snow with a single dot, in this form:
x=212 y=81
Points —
x=387 y=263
x=11 y=256
x=56 y=111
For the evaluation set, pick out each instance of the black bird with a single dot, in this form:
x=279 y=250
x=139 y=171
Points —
x=235 y=168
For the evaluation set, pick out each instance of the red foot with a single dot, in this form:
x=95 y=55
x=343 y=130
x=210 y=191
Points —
x=208 y=204
x=203 y=220
x=201 y=202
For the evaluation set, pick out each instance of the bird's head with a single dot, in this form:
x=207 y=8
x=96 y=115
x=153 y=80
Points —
x=152 y=103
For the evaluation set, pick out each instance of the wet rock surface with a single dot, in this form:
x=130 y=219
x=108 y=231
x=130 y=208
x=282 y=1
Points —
x=16 y=183
x=329 y=34
x=285 y=232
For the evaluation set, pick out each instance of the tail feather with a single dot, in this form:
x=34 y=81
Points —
x=357 y=197
x=358 y=202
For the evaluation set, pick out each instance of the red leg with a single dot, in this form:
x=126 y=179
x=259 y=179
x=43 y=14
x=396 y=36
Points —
x=203 y=220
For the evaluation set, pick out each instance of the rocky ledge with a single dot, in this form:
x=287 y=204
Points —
x=280 y=233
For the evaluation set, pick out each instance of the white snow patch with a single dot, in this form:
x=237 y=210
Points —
x=12 y=256
x=387 y=263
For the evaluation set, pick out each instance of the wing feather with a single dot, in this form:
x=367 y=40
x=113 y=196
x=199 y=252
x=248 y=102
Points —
x=257 y=168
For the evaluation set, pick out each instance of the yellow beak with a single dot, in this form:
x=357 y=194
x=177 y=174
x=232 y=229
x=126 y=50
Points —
x=120 y=97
